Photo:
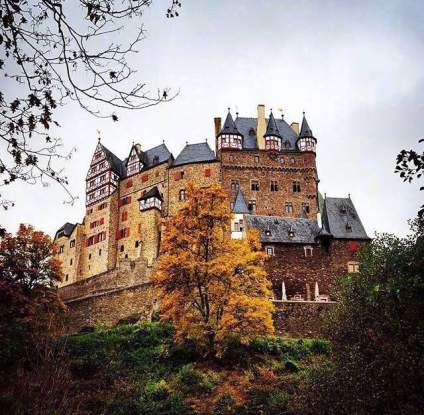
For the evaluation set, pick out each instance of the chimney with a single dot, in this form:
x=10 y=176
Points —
x=295 y=127
x=261 y=127
x=217 y=121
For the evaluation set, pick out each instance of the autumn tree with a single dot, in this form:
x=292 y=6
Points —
x=56 y=52
x=28 y=300
x=211 y=286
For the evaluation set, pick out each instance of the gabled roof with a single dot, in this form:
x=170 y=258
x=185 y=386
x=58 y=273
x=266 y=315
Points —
x=240 y=204
x=153 y=192
x=271 y=128
x=229 y=125
x=305 y=130
x=194 y=153
x=275 y=229
x=116 y=164
x=65 y=230
x=161 y=152
x=247 y=127
x=337 y=213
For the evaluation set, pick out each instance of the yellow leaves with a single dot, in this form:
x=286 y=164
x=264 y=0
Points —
x=211 y=286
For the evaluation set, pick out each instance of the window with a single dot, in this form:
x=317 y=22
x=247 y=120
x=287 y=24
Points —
x=102 y=205
x=286 y=144
x=254 y=185
x=155 y=159
x=121 y=249
x=296 y=186
x=269 y=250
x=100 y=252
x=238 y=225
x=71 y=261
x=181 y=175
x=137 y=243
x=207 y=172
x=72 y=244
x=274 y=186
x=67 y=277
x=291 y=233
x=256 y=159
x=251 y=206
x=308 y=251
x=125 y=201
x=124 y=232
x=144 y=178
x=101 y=236
x=129 y=184
x=235 y=185
x=102 y=178
x=91 y=209
x=231 y=205
x=124 y=216
x=182 y=195
x=305 y=207
x=353 y=267
x=89 y=256
x=231 y=157
x=348 y=228
x=292 y=160
x=126 y=256
x=268 y=232
x=288 y=207
x=61 y=249
x=282 y=160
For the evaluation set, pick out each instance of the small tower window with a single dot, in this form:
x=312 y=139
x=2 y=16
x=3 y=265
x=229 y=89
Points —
x=268 y=232
x=343 y=210
x=251 y=205
x=137 y=243
x=348 y=228
x=89 y=256
x=235 y=185
x=155 y=159
x=269 y=250
x=353 y=267
x=182 y=195
x=292 y=160
x=254 y=185
x=274 y=186
x=252 y=132
x=61 y=249
x=238 y=226
x=296 y=187
x=121 y=249
x=256 y=159
x=72 y=244
x=308 y=251
x=100 y=252
x=288 y=207
x=291 y=233
x=67 y=277
x=71 y=261
x=305 y=207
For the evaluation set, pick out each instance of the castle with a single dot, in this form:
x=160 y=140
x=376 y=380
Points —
x=269 y=169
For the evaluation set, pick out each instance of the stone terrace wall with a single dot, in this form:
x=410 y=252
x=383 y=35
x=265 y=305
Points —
x=128 y=274
x=301 y=319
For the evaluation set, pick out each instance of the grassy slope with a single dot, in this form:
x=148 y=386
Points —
x=137 y=369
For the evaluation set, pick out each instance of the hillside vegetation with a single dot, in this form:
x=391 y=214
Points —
x=137 y=369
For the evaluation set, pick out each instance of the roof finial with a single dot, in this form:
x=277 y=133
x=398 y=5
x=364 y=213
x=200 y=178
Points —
x=237 y=114
x=186 y=143
x=163 y=141
x=206 y=139
x=229 y=109
x=348 y=195
x=325 y=195
x=303 y=113
x=133 y=142
x=98 y=133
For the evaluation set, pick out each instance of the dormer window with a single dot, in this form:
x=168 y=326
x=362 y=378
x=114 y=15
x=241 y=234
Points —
x=343 y=210
x=182 y=195
x=155 y=159
x=272 y=143
x=308 y=251
x=348 y=228
x=268 y=232
x=291 y=233
x=269 y=250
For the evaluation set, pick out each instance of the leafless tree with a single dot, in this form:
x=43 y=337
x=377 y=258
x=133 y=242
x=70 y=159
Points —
x=45 y=46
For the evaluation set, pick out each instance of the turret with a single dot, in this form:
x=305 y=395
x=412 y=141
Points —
x=306 y=140
x=152 y=199
x=229 y=137
x=134 y=163
x=272 y=136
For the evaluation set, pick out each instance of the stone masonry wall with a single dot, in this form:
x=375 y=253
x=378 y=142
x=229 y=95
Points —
x=284 y=168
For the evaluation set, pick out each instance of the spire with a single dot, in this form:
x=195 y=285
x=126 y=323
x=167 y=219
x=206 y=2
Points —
x=229 y=125
x=240 y=204
x=272 y=129
x=305 y=130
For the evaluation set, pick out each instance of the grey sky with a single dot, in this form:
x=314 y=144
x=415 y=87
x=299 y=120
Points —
x=356 y=68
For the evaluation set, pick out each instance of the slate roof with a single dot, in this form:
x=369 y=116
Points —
x=305 y=130
x=161 y=152
x=65 y=230
x=229 y=125
x=116 y=164
x=240 y=204
x=153 y=192
x=337 y=213
x=305 y=230
x=194 y=153
x=246 y=126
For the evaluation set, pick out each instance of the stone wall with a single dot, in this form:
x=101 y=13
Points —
x=283 y=168
x=301 y=319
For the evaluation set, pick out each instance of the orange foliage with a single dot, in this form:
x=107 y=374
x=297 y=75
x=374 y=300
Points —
x=211 y=286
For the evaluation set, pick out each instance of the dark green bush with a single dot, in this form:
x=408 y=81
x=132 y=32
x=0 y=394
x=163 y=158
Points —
x=276 y=403
x=291 y=365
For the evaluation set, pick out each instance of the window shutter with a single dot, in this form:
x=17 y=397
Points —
x=129 y=199
x=117 y=234
x=128 y=232
x=207 y=172
x=139 y=227
x=102 y=221
x=176 y=176
x=144 y=178
x=129 y=183
x=157 y=174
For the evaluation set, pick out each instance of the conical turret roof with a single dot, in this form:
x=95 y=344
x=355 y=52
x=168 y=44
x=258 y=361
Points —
x=240 y=204
x=271 y=128
x=305 y=130
x=229 y=126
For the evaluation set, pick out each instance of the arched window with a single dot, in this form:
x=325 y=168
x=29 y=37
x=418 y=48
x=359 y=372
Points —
x=182 y=195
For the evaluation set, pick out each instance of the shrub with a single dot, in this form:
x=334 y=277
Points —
x=320 y=346
x=157 y=391
x=189 y=376
x=291 y=365
x=276 y=403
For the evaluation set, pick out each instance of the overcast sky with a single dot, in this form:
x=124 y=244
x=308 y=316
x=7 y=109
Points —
x=356 y=68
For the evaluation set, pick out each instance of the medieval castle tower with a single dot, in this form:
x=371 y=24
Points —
x=269 y=168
